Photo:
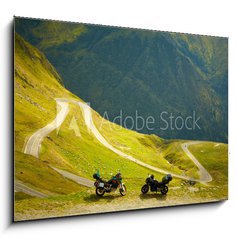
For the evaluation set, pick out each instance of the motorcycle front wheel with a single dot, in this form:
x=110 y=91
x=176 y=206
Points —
x=100 y=191
x=145 y=189
x=123 y=190
x=164 y=190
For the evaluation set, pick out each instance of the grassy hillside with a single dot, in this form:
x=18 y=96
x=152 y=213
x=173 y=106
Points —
x=213 y=156
x=37 y=84
x=156 y=71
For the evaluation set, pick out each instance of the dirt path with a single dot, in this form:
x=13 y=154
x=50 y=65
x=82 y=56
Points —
x=80 y=180
x=21 y=187
x=112 y=203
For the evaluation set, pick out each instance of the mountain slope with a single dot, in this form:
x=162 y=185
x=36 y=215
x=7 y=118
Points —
x=36 y=87
x=125 y=69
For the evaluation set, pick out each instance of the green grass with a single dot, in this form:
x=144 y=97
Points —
x=172 y=151
x=38 y=175
x=36 y=86
x=21 y=196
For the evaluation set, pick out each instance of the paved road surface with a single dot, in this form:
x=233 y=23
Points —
x=204 y=174
x=33 y=144
x=80 y=180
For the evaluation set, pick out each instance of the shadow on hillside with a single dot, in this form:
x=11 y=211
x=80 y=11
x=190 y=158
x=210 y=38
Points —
x=95 y=198
x=158 y=196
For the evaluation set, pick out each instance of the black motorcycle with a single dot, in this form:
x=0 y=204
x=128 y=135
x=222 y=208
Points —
x=103 y=186
x=155 y=185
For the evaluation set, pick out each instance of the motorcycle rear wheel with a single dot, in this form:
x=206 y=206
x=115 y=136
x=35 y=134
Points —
x=164 y=190
x=100 y=191
x=145 y=189
x=123 y=190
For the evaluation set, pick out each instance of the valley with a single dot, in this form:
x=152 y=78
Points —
x=160 y=74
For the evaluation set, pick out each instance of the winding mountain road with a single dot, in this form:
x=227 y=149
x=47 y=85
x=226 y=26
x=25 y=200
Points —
x=32 y=146
x=21 y=187
x=204 y=174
